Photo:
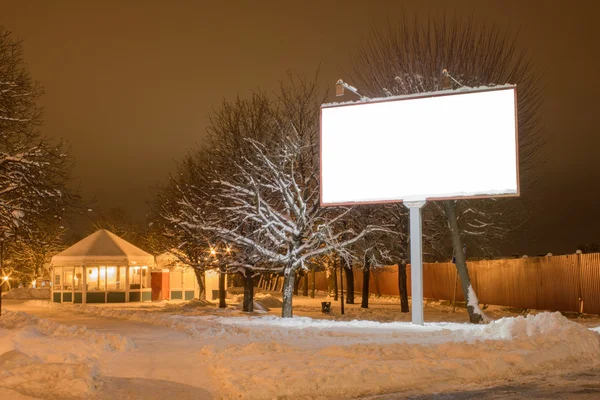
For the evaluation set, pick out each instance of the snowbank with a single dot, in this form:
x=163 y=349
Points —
x=254 y=357
x=27 y=294
x=268 y=301
x=262 y=301
x=38 y=357
x=401 y=357
x=190 y=305
x=195 y=326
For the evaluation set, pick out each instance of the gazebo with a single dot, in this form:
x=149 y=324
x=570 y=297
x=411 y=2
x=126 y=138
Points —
x=102 y=268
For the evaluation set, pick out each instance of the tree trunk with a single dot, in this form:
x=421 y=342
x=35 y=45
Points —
x=296 y=284
x=201 y=285
x=248 y=305
x=335 y=285
x=476 y=315
x=305 y=287
x=222 y=303
x=314 y=283
x=402 y=289
x=349 y=282
x=365 y=289
x=288 y=289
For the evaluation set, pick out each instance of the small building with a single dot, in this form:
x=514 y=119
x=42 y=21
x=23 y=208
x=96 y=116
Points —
x=179 y=281
x=102 y=268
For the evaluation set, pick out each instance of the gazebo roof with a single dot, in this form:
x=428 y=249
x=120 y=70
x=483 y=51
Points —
x=103 y=248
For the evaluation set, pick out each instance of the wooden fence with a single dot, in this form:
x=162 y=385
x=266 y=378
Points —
x=562 y=283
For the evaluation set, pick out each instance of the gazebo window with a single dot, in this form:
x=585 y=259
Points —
x=68 y=278
x=146 y=284
x=135 y=278
x=92 y=278
x=78 y=278
x=139 y=278
x=122 y=278
x=57 y=278
x=115 y=278
x=102 y=279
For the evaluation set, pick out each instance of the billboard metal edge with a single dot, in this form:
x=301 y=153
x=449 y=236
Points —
x=412 y=97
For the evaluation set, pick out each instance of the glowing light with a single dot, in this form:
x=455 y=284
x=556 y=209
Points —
x=228 y=249
x=5 y=278
x=212 y=252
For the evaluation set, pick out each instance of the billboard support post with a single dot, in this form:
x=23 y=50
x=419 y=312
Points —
x=416 y=260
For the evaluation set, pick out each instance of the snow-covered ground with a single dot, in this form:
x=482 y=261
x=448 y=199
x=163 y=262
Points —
x=27 y=294
x=194 y=350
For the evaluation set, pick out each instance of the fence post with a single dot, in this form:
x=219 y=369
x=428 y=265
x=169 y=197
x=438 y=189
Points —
x=579 y=293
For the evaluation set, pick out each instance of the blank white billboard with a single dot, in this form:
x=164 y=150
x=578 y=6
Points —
x=451 y=144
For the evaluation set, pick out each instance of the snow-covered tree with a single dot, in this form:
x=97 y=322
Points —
x=190 y=246
x=33 y=170
x=410 y=57
x=32 y=252
x=278 y=218
x=260 y=192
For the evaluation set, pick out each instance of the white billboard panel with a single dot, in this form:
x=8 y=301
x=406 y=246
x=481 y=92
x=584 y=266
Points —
x=450 y=144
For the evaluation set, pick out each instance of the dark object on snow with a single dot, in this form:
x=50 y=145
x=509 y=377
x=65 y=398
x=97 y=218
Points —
x=325 y=307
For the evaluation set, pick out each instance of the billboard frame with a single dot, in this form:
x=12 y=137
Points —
x=440 y=93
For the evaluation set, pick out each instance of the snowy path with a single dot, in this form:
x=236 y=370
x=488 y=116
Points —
x=205 y=353
x=159 y=366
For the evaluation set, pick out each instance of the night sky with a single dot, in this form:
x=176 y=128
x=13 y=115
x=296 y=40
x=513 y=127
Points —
x=130 y=85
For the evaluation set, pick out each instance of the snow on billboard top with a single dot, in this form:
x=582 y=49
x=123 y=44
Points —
x=439 y=145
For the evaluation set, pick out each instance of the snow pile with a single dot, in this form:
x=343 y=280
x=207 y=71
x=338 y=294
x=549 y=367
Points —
x=263 y=302
x=392 y=357
x=237 y=298
x=20 y=320
x=27 y=294
x=189 y=305
x=38 y=356
x=195 y=326
x=268 y=301
x=29 y=376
